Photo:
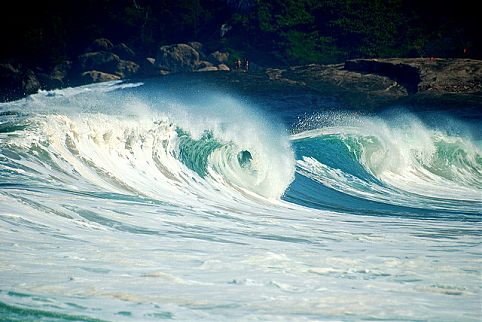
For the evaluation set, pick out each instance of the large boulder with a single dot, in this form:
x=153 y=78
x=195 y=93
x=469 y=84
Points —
x=218 y=57
x=177 y=58
x=100 y=44
x=61 y=70
x=58 y=77
x=16 y=82
x=30 y=83
x=94 y=76
x=127 y=68
x=47 y=82
x=101 y=60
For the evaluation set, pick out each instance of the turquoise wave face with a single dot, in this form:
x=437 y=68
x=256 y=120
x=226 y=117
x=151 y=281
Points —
x=195 y=153
x=396 y=168
x=121 y=202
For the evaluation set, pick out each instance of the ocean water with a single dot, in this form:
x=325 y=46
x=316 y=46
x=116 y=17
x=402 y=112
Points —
x=152 y=201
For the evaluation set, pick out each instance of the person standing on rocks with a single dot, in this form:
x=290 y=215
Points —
x=246 y=65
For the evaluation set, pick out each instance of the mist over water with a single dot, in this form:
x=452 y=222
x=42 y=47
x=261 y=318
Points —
x=140 y=202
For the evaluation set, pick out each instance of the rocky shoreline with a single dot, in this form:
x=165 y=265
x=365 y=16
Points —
x=103 y=61
x=374 y=81
x=378 y=82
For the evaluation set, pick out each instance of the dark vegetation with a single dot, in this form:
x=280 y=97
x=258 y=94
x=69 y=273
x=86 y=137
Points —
x=40 y=34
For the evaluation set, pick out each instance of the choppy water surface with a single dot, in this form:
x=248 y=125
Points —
x=137 y=202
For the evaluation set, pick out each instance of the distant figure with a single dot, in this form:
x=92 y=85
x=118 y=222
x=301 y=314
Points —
x=466 y=51
x=246 y=65
x=238 y=64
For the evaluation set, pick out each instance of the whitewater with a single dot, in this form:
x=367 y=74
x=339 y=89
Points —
x=137 y=202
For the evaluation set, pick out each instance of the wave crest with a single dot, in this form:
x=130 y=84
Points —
x=396 y=161
x=157 y=153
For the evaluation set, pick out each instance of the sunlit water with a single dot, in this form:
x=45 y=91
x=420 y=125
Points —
x=139 y=202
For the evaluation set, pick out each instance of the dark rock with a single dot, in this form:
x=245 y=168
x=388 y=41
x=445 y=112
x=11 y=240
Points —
x=404 y=74
x=16 y=82
x=124 y=52
x=57 y=78
x=30 y=83
x=100 y=44
x=94 y=76
x=218 y=57
x=101 y=61
x=48 y=82
x=419 y=75
x=127 y=68
x=61 y=70
x=177 y=58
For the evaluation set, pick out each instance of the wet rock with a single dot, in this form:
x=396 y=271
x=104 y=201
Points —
x=177 y=58
x=16 y=82
x=127 y=69
x=61 y=71
x=58 y=77
x=48 y=82
x=101 y=61
x=30 y=83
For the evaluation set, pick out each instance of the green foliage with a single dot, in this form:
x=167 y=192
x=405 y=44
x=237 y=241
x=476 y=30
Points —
x=273 y=31
x=305 y=48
